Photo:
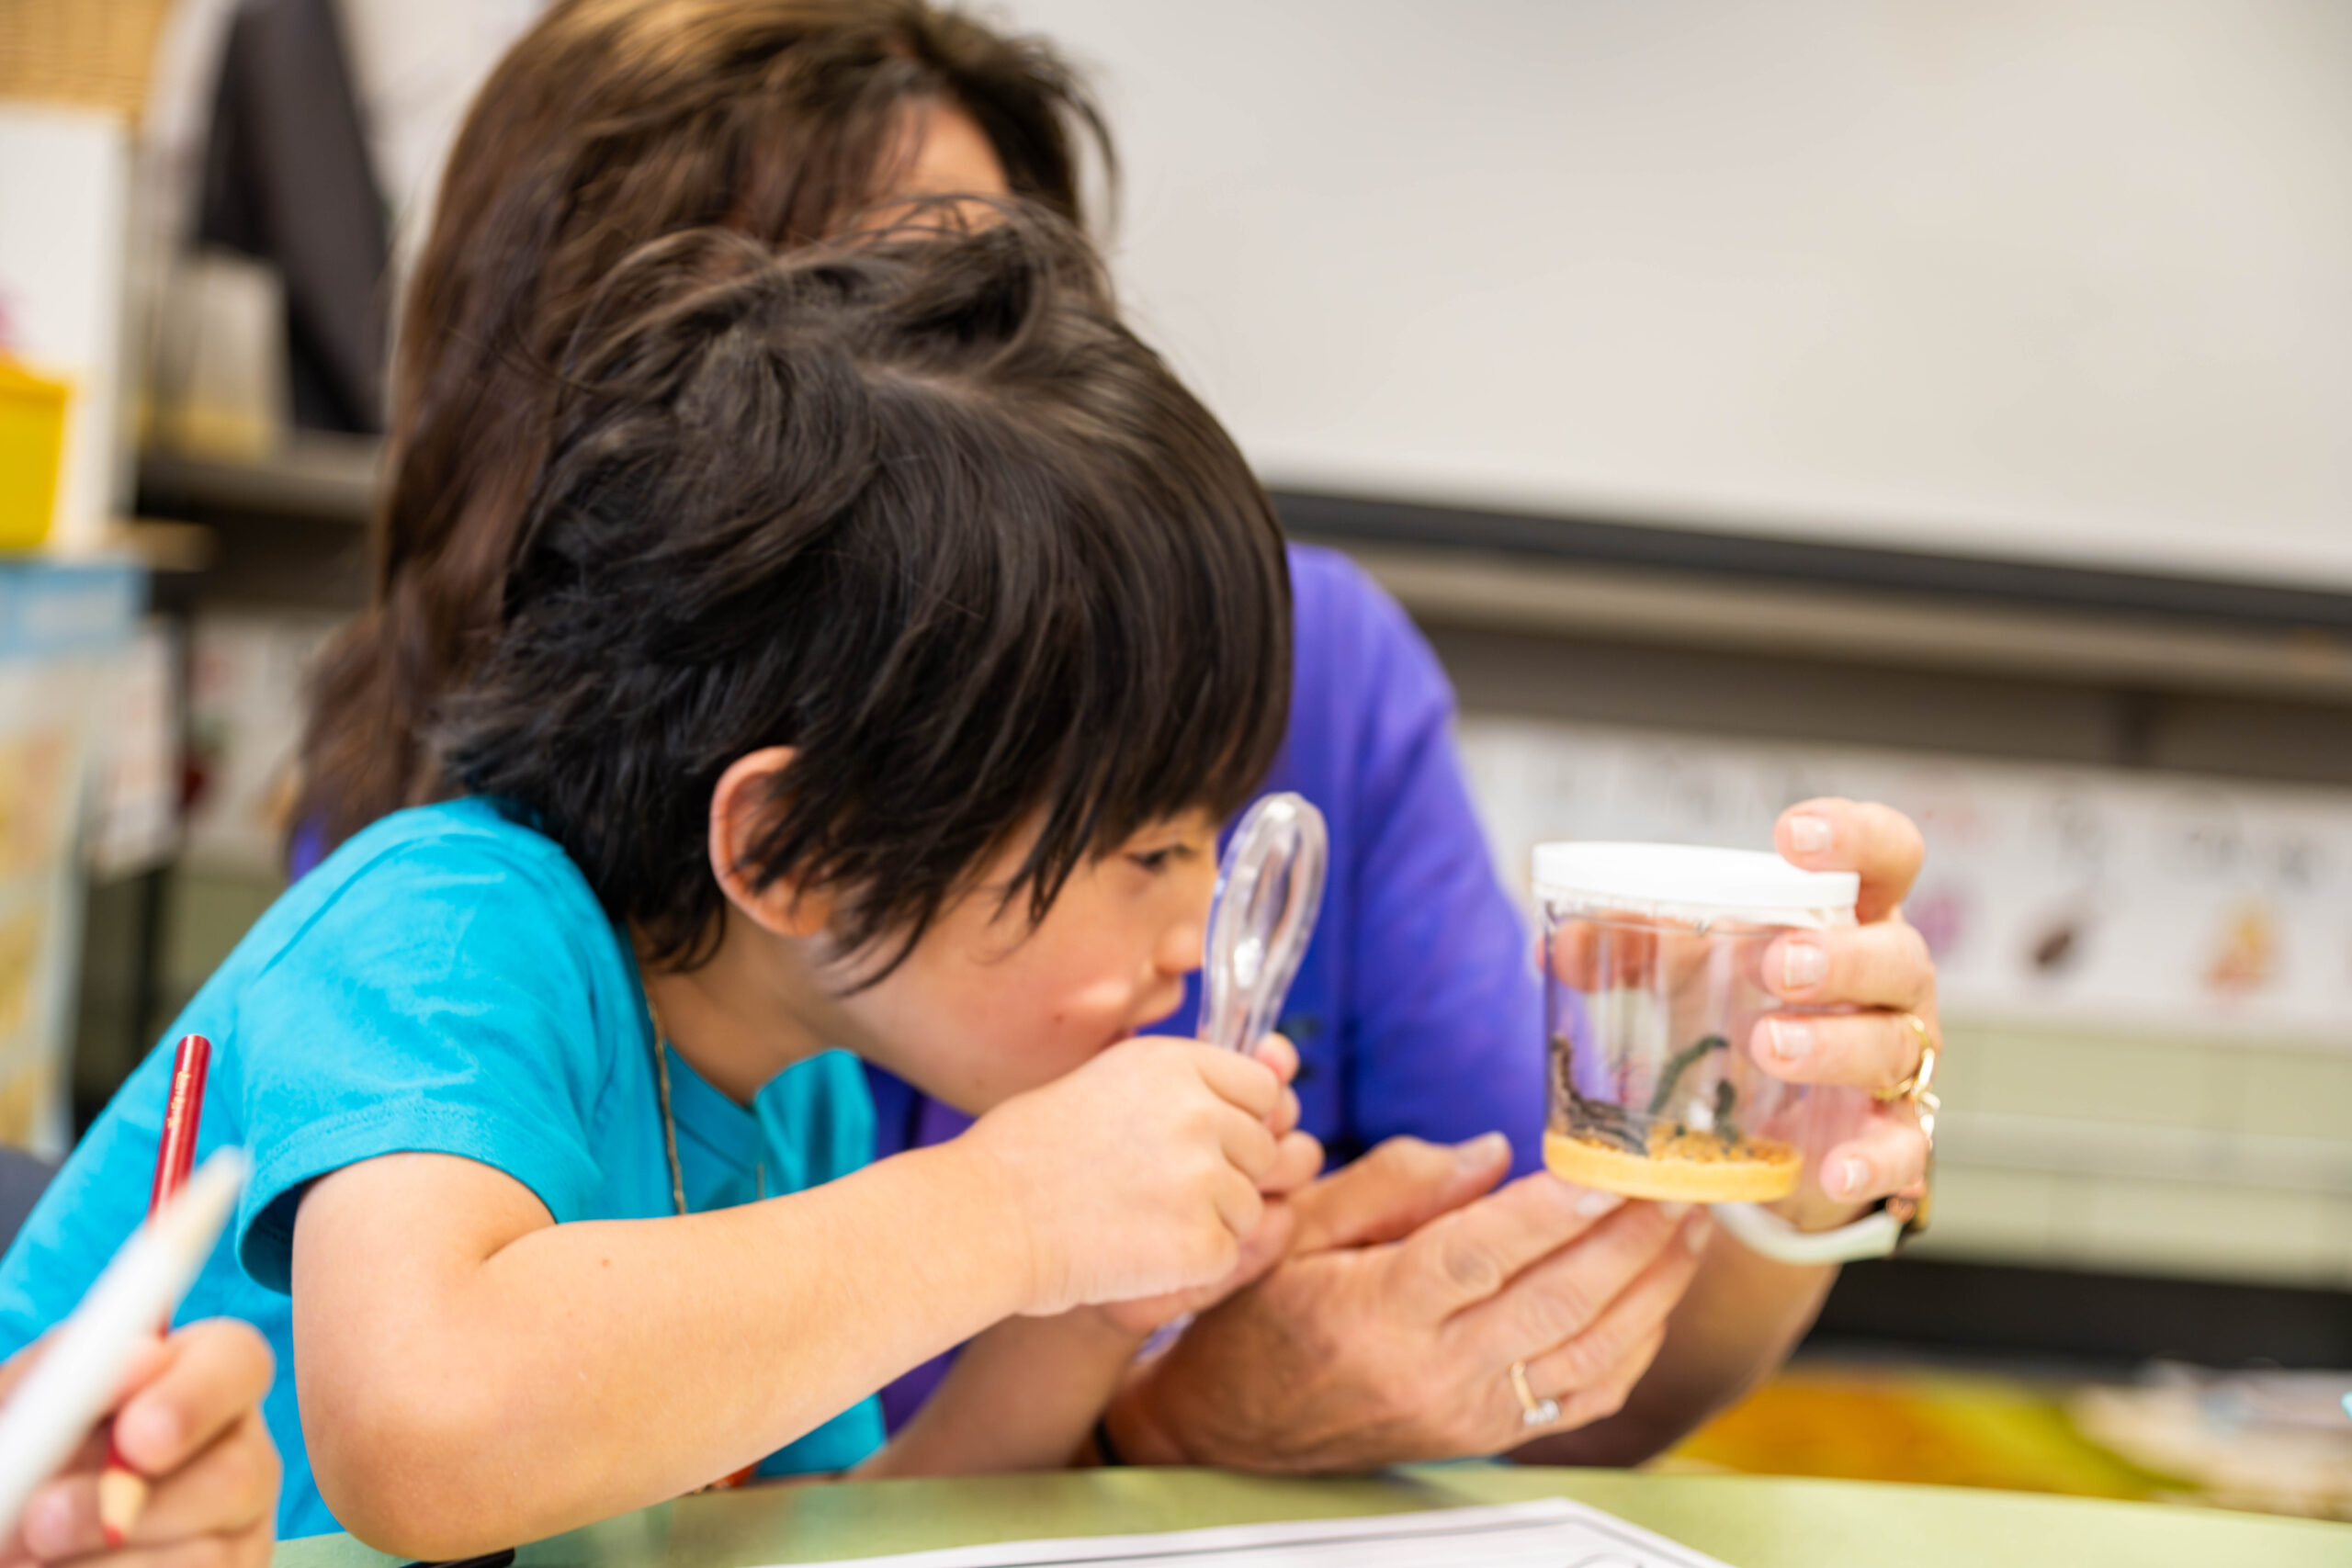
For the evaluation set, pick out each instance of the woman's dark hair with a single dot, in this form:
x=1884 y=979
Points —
x=611 y=123
x=919 y=508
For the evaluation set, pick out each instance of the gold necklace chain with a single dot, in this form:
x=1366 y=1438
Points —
x=670 y=1122
x=678 y=1181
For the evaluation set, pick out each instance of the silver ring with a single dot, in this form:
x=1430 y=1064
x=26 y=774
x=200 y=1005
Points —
x=1533 y=1412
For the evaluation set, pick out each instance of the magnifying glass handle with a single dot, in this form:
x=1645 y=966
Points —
x=1269 y=890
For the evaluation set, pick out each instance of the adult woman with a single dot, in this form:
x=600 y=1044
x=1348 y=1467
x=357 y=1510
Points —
x=617 y=121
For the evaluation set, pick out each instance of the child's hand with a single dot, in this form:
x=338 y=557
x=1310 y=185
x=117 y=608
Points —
x=1140 y=1174
x=1298 y=1163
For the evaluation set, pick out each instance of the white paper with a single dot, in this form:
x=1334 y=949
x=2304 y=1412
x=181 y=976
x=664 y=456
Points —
x=1554 y=1533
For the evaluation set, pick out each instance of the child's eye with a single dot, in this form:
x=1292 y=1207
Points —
x=1161 y=858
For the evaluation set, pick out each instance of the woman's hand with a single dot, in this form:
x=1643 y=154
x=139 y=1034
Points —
x=1388 y=1334
x=1880 y=972
x=189 y=1420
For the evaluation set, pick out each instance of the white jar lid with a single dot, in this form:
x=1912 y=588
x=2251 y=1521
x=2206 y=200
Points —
x=1690 y=884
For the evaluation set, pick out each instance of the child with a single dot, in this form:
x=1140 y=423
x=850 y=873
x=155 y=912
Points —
x=888 y=635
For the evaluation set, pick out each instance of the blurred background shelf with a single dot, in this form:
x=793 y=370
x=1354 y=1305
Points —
x=2296 y=654
x=1587 y=581
x=318 y=476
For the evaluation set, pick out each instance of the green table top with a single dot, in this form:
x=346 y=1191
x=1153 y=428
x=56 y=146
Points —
x=1747 y=1521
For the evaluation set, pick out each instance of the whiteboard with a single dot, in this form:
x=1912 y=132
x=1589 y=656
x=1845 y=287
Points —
x=2058 y=280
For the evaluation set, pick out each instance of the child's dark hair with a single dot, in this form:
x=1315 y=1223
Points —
x=920 y=508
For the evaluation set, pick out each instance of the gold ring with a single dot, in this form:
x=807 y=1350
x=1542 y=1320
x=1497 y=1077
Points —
x=1921 y=1076
x=1916 y=1088
x=1533 y=1412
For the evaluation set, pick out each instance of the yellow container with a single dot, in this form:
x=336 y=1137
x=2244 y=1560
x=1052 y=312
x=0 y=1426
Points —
x=32 y=451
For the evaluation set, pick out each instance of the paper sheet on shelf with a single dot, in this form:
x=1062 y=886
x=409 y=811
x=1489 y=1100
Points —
x=1554 y=1533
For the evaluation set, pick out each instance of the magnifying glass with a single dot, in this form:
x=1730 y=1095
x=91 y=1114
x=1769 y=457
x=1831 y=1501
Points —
x=1269 y=890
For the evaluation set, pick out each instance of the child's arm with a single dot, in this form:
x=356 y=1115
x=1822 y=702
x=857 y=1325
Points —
x=1025 y=1394
x=1022 y=1396
x=473 y=1375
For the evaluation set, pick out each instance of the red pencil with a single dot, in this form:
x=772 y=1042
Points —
x=122 y=1491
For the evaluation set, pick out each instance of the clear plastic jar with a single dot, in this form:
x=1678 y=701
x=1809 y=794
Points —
x=1652 y=963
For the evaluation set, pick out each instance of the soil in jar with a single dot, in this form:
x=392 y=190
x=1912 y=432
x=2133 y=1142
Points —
x=1651 y=1155
x=1692 y=1167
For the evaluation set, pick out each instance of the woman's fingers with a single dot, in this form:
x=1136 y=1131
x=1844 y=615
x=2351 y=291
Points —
x=225 y=1489
x=1877 y=841
x=1887 y=1156
x=1564 y=1294
x=1460 y=1259
x=1399 y=1187
x=1630 y=1320
x=1880 y=965
x=1865 y=1050
x=216 y=1373
x=1601 y=1399
x=190 y=1417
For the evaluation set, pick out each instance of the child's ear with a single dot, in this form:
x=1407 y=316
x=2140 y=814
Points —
x=744 y=795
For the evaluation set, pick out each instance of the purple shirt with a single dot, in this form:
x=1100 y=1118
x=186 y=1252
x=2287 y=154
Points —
x=1417 y=1009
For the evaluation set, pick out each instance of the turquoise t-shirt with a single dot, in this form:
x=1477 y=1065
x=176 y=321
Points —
x=446 y=982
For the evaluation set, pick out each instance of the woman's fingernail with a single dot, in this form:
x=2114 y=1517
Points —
x=1853 y=1176
x=1481 y=1151
x=1674 y=1211
x=1804 y=963
x=1809 y=835
x=1695 y=1234
x=1792 y=1041
x=1595 y=1203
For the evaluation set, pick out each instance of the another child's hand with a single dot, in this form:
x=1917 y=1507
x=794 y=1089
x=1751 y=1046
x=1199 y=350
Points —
x=190 y=1419
x=1141 y=1173
x=1301 y=1160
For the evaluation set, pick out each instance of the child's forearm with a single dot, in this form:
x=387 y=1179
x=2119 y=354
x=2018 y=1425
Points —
x=468 y=1383
x=1023 y=1396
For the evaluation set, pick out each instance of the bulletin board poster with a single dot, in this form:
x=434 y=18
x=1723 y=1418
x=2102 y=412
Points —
x=2078 y=897
x=63 y=630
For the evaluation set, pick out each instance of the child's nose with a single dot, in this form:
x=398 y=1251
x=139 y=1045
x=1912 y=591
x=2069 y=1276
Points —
x=1181 y=946
x=1182 y=942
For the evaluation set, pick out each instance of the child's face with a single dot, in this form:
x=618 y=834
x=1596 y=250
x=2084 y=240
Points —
x=988 y=1005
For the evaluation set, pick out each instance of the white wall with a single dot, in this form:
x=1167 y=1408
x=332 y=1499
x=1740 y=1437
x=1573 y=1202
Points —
x=65 y=187
x=2065 y=279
